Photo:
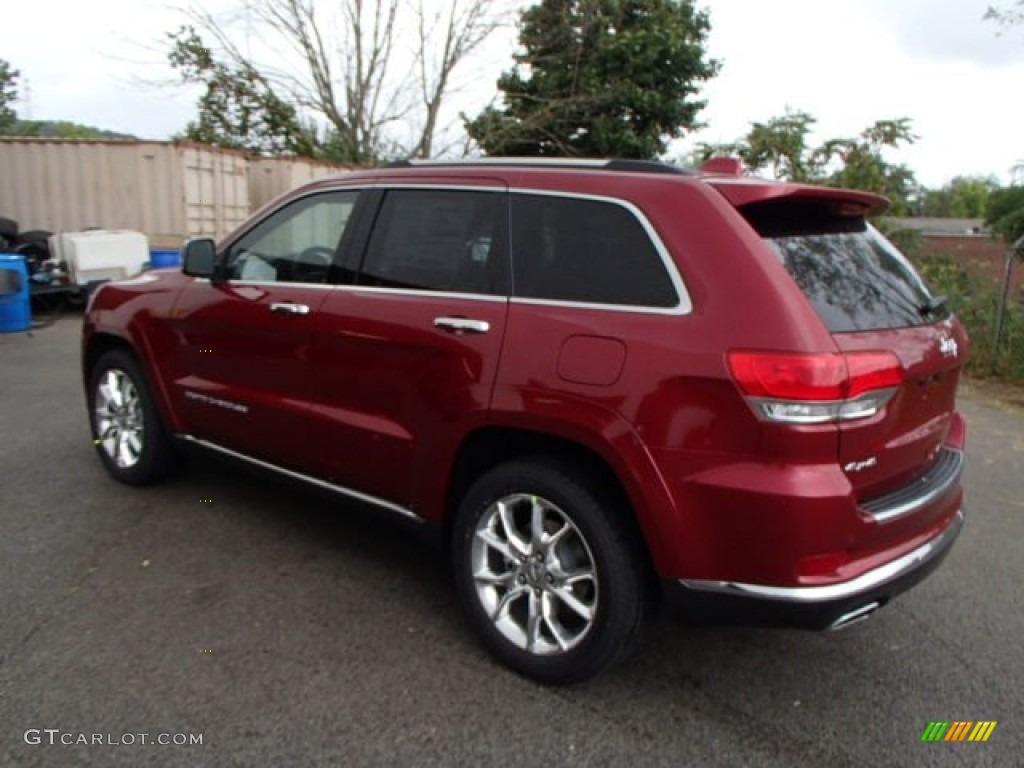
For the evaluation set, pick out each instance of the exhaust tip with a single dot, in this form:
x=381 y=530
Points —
x=854 y=617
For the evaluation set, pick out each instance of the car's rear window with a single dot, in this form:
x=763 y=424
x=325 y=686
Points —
x=855 y=278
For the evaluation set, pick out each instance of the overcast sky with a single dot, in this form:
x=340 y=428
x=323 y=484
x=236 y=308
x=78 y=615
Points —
x=847 y=62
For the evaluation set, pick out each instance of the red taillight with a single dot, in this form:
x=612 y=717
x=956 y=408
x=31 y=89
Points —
x=869 y=371
x=790 y=377
x=812 y=389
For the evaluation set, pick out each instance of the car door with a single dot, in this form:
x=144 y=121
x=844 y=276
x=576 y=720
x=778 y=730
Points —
x=406 y=358
x=243 y=378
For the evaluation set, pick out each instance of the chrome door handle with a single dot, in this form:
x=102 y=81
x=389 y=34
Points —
x=462 y=325
x=288 y=308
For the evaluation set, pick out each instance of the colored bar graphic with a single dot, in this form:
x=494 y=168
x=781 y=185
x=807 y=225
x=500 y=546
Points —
x=958 y=730
x=982 y=730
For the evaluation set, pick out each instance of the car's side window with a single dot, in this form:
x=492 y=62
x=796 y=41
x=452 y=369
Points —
x=585 y=251
x=439 y=240
x=296 y=244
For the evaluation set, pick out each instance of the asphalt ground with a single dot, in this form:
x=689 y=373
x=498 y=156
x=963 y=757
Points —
x=285 y=628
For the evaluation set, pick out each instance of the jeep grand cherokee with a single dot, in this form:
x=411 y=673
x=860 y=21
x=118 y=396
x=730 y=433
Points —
x=603 y=381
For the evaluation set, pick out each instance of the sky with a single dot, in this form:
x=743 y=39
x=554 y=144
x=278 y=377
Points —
x=847 y=62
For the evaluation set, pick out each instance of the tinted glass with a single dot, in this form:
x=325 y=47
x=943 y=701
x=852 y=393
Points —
x=296 y=244
x=856 y=280
x=587 y=251
x=436 y=240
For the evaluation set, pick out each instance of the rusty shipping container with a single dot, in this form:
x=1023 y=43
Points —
x=167 y=190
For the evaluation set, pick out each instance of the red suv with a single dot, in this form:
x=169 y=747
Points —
x=603 y=380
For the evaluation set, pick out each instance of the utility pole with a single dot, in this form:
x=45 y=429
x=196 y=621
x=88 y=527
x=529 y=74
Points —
x=1014 y=253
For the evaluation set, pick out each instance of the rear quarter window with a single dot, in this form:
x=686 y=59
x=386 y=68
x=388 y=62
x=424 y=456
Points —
x=585 y=251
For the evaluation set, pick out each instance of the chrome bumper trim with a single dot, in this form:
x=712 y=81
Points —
x=877 y=577
x=358 y=495
x=946 y=472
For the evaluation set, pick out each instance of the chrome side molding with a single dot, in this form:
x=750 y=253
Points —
x=340 y=489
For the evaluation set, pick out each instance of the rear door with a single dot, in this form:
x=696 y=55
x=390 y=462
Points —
x=871 y=299
x=405 y=359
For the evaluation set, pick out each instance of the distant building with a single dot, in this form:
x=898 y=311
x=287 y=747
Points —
x=967 y=240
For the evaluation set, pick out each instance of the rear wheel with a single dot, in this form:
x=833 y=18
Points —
x=127 y=432
x=551 y=578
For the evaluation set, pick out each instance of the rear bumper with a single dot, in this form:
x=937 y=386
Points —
x=812 y=607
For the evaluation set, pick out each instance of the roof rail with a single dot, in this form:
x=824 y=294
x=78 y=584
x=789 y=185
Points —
x=581 y=163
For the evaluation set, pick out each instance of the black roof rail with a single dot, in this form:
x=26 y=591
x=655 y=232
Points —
x=569 y=163
x=646 y=166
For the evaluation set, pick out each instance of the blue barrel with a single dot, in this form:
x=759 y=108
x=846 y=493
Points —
x=15 y=304
x=162 y=259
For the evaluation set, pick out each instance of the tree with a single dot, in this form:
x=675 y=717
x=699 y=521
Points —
x=63 y=129
x=346 y=67
x=1005 y=214
x=1007 y=16
x=600 y=78
x=239 y=108
x=780 y=147
x=963 y=197
x=8 y=96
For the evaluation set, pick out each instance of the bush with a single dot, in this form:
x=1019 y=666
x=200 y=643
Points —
x=975 y=300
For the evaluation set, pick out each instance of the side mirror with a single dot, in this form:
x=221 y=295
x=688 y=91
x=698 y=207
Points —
x=199 y=257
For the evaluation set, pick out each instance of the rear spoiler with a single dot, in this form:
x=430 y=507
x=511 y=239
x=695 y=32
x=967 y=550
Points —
x=744 y=191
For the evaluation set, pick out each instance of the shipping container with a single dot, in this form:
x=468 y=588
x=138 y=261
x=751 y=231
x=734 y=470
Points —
x=166 y=190
x=270 y=177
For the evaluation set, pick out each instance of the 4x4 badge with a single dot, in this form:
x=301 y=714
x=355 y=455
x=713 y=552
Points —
x=948 y=346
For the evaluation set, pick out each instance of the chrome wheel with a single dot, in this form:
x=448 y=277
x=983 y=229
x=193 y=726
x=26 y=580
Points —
x=534 y=574
x=118 y=414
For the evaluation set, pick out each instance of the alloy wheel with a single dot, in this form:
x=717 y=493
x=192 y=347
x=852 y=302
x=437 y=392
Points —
x=119 y=420
x=534 y=574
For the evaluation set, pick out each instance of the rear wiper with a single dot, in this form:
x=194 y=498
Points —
x=933 y=305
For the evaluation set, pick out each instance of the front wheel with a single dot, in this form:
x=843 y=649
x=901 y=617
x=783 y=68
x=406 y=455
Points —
x=551 y=577
x=126 y=428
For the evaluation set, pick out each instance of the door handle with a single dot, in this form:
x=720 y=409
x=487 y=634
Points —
x=462 y=325
x=288 y=308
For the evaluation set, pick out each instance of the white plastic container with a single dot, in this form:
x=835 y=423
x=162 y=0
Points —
x=101 y=254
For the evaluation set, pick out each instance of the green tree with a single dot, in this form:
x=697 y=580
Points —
x=778 y=147
x=8 y=96
x=1005 y=213
x=1006 y=15
x=963 y=197
x=600 y=78
x=781 y=148
x=238 y=108
x=858 y=163
x=63 y=129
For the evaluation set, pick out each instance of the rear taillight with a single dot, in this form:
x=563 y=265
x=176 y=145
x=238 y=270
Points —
x=816 y=389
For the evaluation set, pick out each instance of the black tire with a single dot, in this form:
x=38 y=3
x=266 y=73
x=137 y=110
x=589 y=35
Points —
x=35 y=236
x=8 y=229
x=621 y=598
x=155 y=456
x=35 y=254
